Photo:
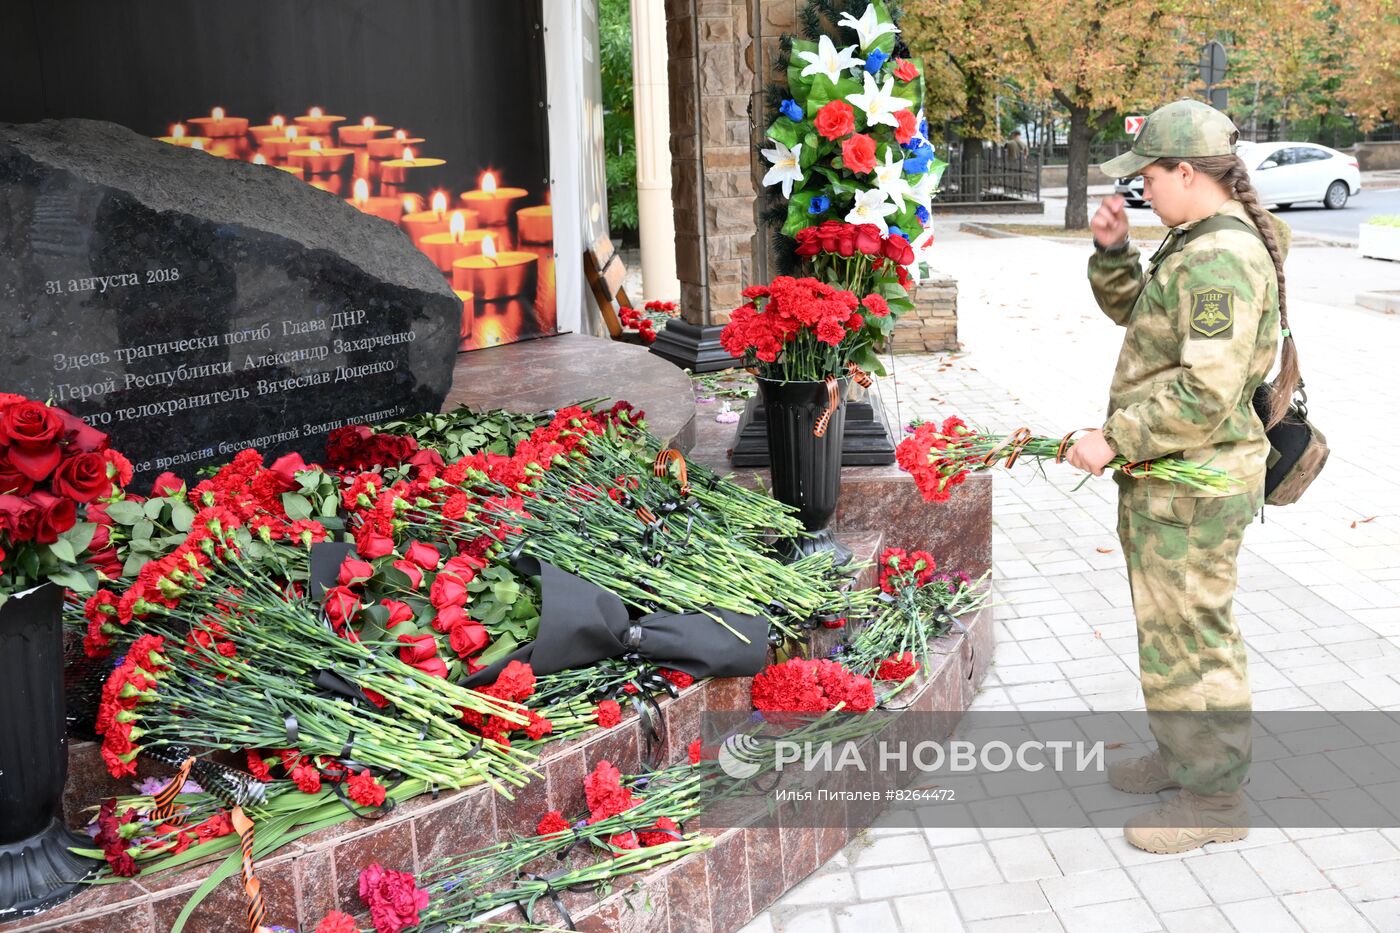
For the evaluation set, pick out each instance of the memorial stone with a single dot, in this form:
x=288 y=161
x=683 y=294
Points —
x=191 y=306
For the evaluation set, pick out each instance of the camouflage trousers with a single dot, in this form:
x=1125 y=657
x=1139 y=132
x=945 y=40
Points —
x=1181 y=553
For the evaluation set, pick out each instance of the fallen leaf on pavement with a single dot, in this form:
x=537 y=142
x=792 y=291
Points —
x=1104 y=550
x=1098 y=634
x=1112 y=745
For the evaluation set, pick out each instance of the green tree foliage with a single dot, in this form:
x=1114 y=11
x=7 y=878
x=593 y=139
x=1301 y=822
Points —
x=619 y=131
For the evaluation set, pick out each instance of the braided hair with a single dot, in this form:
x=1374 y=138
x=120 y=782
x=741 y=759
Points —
x=1230 y=172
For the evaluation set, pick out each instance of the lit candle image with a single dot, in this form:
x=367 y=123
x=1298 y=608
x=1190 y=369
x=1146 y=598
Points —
x=396 y=171
x=319 y=160
x=418 y=224
x=492 y=276
x=359 y=135
x=536 y=224
x=218 y=124
x=491 y=202
x=391 y=209
x=261 y=159
x=277 y=126
x=317 y=123
x=458 y=241
x=178 y=137
x=468 y=312
x=387 y=147
x=280 y=147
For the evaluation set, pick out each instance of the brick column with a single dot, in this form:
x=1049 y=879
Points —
x=712 y=82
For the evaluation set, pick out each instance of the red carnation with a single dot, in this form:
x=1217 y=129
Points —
x=337 y=922
x=876 y=305
x=835 y=119
x=663 y=832
x=858 y=153
x=393 y=898
x=608 y=714
x=551 y=823
x=897 y=667
x=693 y=752
x=365 y=790
x=680 y=678
x=605 y=794
x=306 y=778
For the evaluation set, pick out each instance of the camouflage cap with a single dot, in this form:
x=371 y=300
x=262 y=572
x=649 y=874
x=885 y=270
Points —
x=1178 y=130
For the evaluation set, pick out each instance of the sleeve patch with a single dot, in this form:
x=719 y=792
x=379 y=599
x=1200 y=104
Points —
x=1212 y=312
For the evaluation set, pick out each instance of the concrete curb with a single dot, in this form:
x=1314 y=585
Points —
x=1388 y=301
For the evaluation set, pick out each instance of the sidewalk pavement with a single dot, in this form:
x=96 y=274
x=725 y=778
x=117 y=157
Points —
x=1319 y=603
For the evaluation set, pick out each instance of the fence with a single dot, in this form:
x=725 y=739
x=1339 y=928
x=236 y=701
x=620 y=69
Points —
x=994 y=176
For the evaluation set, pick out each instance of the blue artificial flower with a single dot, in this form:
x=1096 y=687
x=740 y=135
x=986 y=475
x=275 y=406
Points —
x=792 y=110
x=875 y=61
x=919 y=158
x=923 y=128
x=819 y=205
x=921 y=212
x=895 y=231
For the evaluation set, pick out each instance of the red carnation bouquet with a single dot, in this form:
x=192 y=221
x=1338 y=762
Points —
x=54 y=468
x=811 y=686
x=939 y=457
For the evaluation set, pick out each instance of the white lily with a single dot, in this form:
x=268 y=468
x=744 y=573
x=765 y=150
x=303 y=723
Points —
x=786 y=166
x=826 y=60
x=871 y=207
x=879 y=103
x=924 y=189
x=890 y=179
x=868 y=27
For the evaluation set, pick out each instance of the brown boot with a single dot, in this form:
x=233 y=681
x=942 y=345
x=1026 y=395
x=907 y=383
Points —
x=1145 y=775
x=1188 y=821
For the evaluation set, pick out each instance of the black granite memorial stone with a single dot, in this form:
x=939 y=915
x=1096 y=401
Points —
x=191 y=306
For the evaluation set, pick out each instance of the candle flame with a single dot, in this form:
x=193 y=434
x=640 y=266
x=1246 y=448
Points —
x=488 y=182
x=197 y=144
x=177 y=131
x=315 y=113
x=315 y=145
x=367 y=122
x=361 y=191
x=279 y=122
x=410 y=203
x=408 y=154
x=401 y=135
x=217 y=113
x=457 y=225
x=259 y=159
x=439 y=202
x=488 y=247
x=292 y=132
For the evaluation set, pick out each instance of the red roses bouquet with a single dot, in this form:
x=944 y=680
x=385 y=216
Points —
x=53 y=469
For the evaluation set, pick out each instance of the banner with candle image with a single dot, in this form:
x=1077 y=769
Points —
x=428 y=113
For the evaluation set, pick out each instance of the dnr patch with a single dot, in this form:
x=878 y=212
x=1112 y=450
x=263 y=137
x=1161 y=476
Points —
x=1212 y=312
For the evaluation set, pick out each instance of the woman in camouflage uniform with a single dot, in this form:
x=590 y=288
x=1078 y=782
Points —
x=1203 y=326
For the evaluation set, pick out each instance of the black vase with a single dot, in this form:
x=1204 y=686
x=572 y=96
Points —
x=806 y=468
x=37 y=868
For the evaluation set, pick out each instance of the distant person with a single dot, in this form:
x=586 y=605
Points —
x=1203 y=327
x=1016 y=147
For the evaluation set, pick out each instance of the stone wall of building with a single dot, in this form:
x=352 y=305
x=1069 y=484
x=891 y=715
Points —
x=933 y=324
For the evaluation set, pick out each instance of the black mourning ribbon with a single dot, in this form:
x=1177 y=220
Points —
x=582 y=623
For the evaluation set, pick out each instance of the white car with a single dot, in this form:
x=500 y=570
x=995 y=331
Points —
x=1284 y=174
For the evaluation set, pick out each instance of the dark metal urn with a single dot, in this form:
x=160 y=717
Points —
x=37 y=870
x=806 y=467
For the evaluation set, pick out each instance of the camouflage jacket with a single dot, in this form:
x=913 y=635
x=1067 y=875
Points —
x=1202 y=333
